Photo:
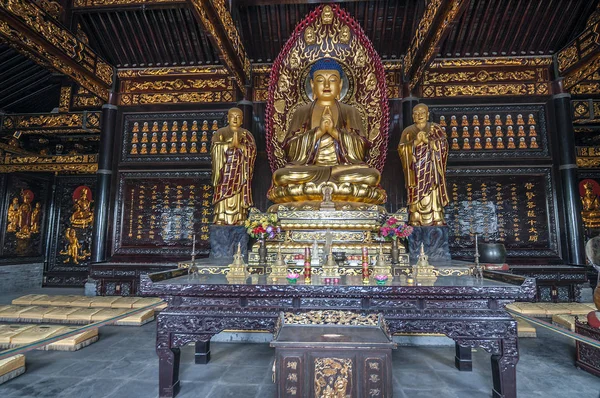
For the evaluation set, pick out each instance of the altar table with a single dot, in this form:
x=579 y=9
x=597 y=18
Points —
x=470 y=311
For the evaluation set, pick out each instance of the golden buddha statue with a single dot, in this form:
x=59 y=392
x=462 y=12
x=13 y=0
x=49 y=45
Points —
x=13 y=215
x=423 y=150
x=590 y=204
x=82 y=215
x=233 y=153
x=325 y=144
x=73 y=252
x=24 y=215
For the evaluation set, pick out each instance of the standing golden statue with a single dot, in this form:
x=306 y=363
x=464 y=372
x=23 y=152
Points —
x=233 y=153
x=13 y=215
x=326 y=144
x=73 y=248
x=423 y=150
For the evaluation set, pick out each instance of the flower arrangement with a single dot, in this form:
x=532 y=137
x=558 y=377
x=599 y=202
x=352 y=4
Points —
x=381 y=279
x=393 y=229
x=263 y=227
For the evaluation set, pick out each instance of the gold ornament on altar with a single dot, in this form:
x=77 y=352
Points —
x=423 y=271
x=82 y=215
x=23 y=219
x=423 y=150
x=233 y=153
x=279 y=269
x=238 y=270
x=73 y=252
x=327 y=117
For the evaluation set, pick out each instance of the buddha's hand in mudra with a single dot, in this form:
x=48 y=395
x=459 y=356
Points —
x=235 y=142
x=326 y=125
x=422 y=137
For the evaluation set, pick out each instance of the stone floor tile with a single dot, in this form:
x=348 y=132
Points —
x=234 y=391
x=206 y=373
x=146 y=389
x=93 y=388
x=196 y=390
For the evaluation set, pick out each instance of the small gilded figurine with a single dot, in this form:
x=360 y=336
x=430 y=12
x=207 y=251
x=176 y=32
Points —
x=443 y=121
x=533 y=143
x=184 y=126
x=486 y=120
x=195 y=125
x=174 y=136
x=531 y=119
x=183 y=148
x=194 y=137
x=154 y=126
x=163 y=148
x=476 y=132
x=521 y=132
x=499 y=143
x=453 y=121
x=203 y=148
x=205 y=125
x=488 y=131
x=454 y=132
x=488 y=143
x=134 y=149
x=165 y=127
x=511 y=143
x=194 y=148
x=520 y=120
x=499 y=132
x=455 y=146
x=465 y=121
x=233 y=153
x=509 y=120
x=153 y=150
x=497 y=121
x=164 y=138
x=145 y=127
x=204 y=137
x=144 y=149
x=173 y=148
x=423 y=150
x=532 y=132
x=215 y=126
x=174 y=126
x=134 y=138
x=154 y=137
x=477 y=143
x=475 y=120
x=522 y=143
x=184 y=137
x=465 y=132
x=510 y=132
x=466 y=144
x=144 y=137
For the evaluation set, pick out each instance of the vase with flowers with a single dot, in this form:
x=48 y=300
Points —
x=262 y=228
x=393 y=230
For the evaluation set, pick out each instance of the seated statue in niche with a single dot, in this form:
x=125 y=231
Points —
x=590 y=207
x=325 y=142
x=82 y=215
x=423 y=150
x=233 y=153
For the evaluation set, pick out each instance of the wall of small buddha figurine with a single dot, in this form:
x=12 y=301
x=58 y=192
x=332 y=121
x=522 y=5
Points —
x=496 y=129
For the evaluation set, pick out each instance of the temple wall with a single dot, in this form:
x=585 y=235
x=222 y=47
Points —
x=20 y=277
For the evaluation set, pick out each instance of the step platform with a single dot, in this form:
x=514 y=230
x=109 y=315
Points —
x=11 y=367
x=12 y=336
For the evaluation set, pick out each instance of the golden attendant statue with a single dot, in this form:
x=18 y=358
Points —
x=326 y=144
x=423 y=150
x=82 y=214
x=233 y=153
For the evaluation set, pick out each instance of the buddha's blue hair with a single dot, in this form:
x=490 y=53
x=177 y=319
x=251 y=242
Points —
x=326 y=64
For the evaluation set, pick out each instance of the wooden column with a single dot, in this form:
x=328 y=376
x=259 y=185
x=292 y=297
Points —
x=104 y=179
x=564 y=137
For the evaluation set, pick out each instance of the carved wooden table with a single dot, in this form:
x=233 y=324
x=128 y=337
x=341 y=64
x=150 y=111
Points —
x=469 y=311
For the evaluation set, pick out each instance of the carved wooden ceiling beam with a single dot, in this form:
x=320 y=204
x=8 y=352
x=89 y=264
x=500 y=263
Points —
x=437 y=21
x=218 y=24
x=79 y=5
x=580 y=59
x=33 y=32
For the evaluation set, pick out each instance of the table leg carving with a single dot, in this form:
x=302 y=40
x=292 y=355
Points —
x=504 y=369
x=168 y=372
x=463 y=359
